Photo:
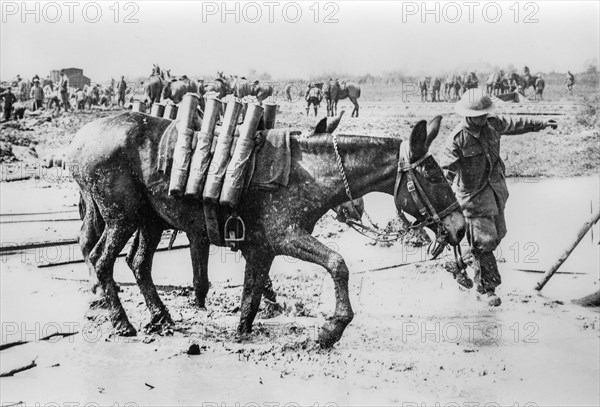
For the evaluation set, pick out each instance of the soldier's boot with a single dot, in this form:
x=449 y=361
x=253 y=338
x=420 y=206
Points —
x=487 y=276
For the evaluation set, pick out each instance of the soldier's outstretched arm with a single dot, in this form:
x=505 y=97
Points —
x=507 y=125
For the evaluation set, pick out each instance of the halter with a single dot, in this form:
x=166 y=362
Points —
x=426 y=209
x=414 y=187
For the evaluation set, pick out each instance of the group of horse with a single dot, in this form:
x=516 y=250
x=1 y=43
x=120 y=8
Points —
x=162 y=86
x=432 y=88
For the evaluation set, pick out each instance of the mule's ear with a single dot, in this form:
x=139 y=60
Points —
x=321 y=127
x=334 y=122
x=434 y=128
x=417 y=140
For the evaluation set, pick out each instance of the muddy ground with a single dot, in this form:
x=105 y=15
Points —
x=416 y=338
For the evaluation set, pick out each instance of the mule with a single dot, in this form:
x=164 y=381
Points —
x=113 y=160
x=153 y=87
x=174 y=90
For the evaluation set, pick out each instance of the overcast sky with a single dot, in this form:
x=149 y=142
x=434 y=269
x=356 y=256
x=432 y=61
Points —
x=198 y=38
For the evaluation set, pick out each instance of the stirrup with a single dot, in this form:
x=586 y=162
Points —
x=235 y=232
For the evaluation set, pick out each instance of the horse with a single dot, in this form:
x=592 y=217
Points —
x=423 y=84
x=523 y=82
x=243 y=88
x=175 y=89
x=436 y=85
x=154 y=85
x=113 y=161
x=469 y=81
x=330 y=93
x=497 y=83
x=452 y=87
x=338 y=91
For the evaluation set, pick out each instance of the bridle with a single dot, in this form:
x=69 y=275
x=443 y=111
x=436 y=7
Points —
x=426 y=209
x=423 y=203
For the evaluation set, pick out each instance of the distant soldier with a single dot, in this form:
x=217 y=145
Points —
x=80 y=99
x=472 y=158
x=9 y=100
x=313 y=96
x=570 y=81
x=121 y=91
x=22 y=94
x=540 y=84
x=37 y=94
x=63 y=88
x=53 y=99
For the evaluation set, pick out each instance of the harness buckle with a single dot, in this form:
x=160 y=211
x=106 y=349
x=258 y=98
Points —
x=410 y=185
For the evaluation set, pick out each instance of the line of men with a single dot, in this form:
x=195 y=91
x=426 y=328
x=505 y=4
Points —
x=37 y=97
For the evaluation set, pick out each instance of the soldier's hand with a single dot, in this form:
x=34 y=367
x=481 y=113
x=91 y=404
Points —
x=552 y=124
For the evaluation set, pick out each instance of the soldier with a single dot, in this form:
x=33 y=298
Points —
x=122 y=90
x=37 y=93
x=313 y=96
x=570 y=81
x=9 y=100
x=540 y=84
x=472 y=158
x=64 y=91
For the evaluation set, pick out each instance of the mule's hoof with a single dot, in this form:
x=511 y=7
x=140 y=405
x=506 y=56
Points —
x=161 y=323
x=244 y=329
x=125 y=329
x=330 y=334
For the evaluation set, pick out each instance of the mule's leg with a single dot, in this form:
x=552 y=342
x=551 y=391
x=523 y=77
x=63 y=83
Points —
x=103 y=256
x=140 y=261
x=268 y=291
x=258 y=264
x=301 y=245
x=199 y=246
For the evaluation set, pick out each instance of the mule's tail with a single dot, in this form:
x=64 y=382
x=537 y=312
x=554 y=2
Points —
x=90 y=214
x=91 y=231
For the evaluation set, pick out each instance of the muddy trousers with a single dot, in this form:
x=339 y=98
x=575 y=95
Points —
x=484 y=235
x=7 y=111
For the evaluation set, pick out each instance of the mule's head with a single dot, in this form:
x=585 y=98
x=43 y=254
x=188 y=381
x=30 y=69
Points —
x=422 y=190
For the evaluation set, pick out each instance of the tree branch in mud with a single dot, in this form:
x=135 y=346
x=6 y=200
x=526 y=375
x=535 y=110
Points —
x=20 y=369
